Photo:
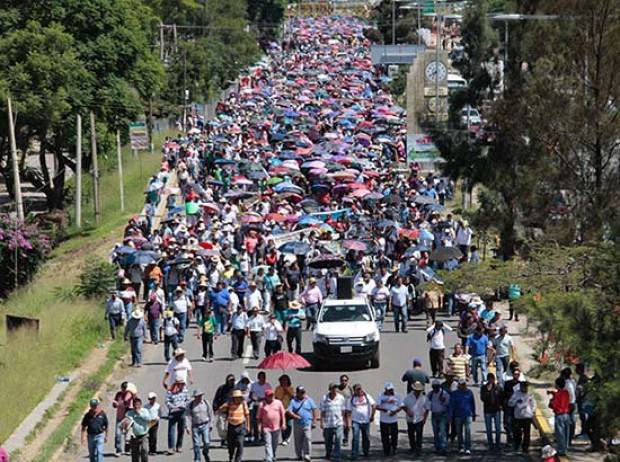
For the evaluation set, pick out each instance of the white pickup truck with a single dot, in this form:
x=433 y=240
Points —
x=346 y=332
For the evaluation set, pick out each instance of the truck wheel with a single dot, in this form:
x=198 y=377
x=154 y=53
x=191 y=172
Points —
x=374 y=362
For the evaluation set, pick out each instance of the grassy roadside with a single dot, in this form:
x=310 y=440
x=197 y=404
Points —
x=76 y=409
x=30 y=365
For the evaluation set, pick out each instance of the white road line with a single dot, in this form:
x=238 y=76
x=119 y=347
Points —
x=247 y=354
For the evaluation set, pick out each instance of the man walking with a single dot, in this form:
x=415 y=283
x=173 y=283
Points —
x=135 y=331
x=303 y=411
x=294 y=316
x=524 y=406
x=360 y=412
x=388 y=404
x=435 y=335
x=271 y=421
x=463 y=409
x=200 y=415
x=114 y=312
x=491 y=396
x=477 y=344
x=95 y=431
x=176 y=402
x=560 y=404
x=155 y=410
x=239 y=323
x=415 y=375
x=504 y=350
x=332 y=408
x=439 y=404
x=138 y=422
x=416 y=406
x=238 y=424
x=398 y=301
x=312 y=297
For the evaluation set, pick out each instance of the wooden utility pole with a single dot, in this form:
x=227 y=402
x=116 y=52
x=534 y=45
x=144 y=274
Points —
x=78 y=172
x=93 y=151
x=119 y=159
x=19 y=205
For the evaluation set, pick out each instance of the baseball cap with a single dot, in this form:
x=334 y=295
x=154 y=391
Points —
x=462 y=381
x=152 y=395
x=94 y=402
x=269 y=392
x=300 y=389
x=435 y=382
x=388 y=386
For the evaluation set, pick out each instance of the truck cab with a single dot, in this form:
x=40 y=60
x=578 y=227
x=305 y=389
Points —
x=346 y=332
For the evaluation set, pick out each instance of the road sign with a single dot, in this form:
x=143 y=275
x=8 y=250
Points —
x=139 y=136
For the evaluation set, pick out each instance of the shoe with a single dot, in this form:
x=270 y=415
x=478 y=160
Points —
x=467 y=452
x=204 y=358
x=210 y=360
x=461 y=451
x=285 y=443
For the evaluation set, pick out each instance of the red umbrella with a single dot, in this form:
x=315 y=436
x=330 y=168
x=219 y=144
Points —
x=284 y=360
x=206 y=245
x=275 y=217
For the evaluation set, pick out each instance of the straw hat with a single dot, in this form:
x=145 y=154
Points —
x=236 y=394
x=137 y=314
x=418 y=386
x=294 y=305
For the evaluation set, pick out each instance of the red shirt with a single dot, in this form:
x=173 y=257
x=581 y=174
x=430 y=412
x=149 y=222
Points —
x=560 y=403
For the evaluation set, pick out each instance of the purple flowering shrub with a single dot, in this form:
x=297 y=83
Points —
x=23 y=247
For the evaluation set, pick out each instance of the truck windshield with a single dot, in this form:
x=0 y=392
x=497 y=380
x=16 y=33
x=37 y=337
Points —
x=345 y=313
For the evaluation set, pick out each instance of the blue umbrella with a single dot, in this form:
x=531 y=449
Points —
x=224 y=162
x=316 y=188
x=418 y=248
x=295 y=248
x=124 y=250
x=142 y=257
x=426 y=235
x=309 y=220
x=285 y=186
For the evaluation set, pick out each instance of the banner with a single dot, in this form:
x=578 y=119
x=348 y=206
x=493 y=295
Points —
x=138 y=136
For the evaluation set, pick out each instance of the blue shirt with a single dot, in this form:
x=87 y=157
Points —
x=462 y=404
x=221 y=297
x=303 y=409
x=294 y=317
x=477 y=346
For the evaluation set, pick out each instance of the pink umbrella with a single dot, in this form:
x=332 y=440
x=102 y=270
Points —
x=360 y=193
x=354 y=245
x=249 y=219
x=284 y=360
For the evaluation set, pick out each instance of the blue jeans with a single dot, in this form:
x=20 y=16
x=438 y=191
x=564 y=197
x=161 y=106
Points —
x=333 y=439
x=137 y=343
x=380 y=314
x=128 y=310
x=489 y=420
x=479 y=361
x=170 y=343
x=176 y=427
x=220 y=320
x=562 y=432
x=95 y=447
x=400 y=318
x=364 y=430
x=463 y=432
x=450 y=303
x=200 y=441
x=501 y=364
x=118 y=436
x=182 y=317
x=440 y=429
x=154 y=325
x=311 y=310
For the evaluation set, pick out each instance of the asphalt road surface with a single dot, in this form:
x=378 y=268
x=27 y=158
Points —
x=397 y=353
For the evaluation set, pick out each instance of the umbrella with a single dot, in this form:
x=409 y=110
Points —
x=426 y=235
x=326 y=261
x=309 y=220
x=224 y=162
x=444 y=254
x=423 y=200
x=215 y=182
x=418 y=248
x=354 y=245
x=124 y=250
x=210 y=207
x=284 y=360
x=206 y=245
x=274 y=180
x=248 y=219
x=142 y=257
x=277 y=217
x=435 y=208
x=295 y=248
x=208 y=253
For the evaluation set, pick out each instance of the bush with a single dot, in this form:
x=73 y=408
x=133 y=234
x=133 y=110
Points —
x=96 y=279
x=23 y=246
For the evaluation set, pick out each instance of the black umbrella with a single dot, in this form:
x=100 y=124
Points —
x=444 y=254
x=423 y=200
x=326 y=262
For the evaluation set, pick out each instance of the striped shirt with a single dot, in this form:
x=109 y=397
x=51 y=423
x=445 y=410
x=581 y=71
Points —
x=458 y=365
x=237 y=413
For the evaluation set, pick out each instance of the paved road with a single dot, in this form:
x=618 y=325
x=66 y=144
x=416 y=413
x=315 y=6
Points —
x=397 y=353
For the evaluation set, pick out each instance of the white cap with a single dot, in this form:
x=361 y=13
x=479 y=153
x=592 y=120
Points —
x=152 y=395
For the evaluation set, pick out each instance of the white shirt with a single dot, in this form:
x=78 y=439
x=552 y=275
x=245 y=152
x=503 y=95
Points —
x=360 y=408
x=256 y=323
x=417 y=406
x=178 y=370
x=254 y=299
x=437 y=339
x=257 y=391
x=272 y=330
x=179 y=305
x=463 y=236
x=365 y=288
x=524 y=404
x=233 y=300
x=239 y=321
x=388 y=403
x=571 y=387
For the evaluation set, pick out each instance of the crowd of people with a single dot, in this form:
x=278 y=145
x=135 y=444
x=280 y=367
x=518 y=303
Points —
x=300 y=179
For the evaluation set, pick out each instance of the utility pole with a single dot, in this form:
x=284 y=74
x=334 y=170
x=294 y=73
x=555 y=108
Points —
x=393 y=22
x=119 y=160
x=161 y=41
x=78 y=172
x=437 y=42
x=93 y=151
x=19 y=205
x=185 y=91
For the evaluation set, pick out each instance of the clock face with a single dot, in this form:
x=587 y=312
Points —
x=436 y=70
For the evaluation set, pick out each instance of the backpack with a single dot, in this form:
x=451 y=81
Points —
x=430 y=335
